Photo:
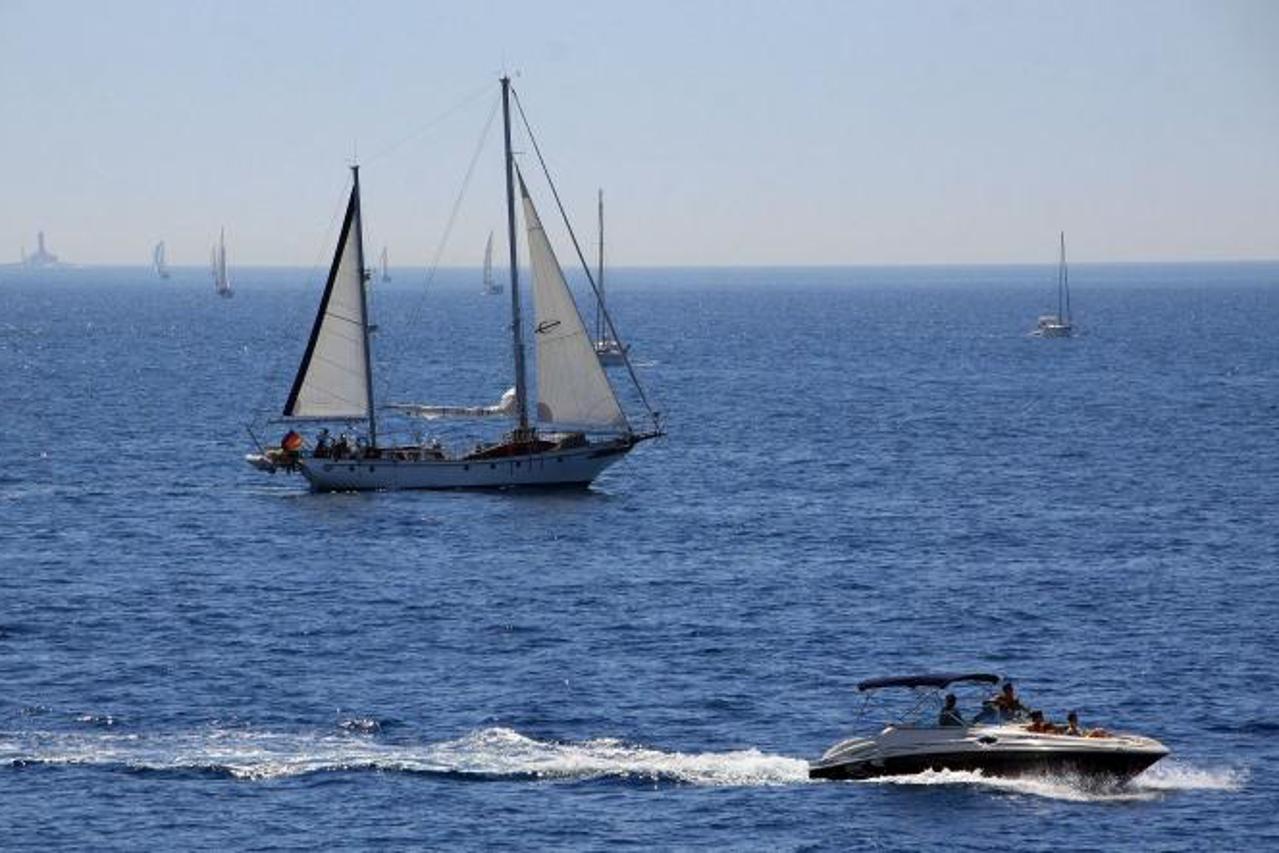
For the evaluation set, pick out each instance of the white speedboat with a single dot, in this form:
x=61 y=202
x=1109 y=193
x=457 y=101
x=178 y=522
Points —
x=916 y=742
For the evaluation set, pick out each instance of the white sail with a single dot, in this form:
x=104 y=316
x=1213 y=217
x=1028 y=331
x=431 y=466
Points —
x=158 y=256
x=332 y=381
x=386 y=268
x=489 y=286
x=572 y=389
x=220 y=280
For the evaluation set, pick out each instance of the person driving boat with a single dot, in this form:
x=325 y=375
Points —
x=950 y=715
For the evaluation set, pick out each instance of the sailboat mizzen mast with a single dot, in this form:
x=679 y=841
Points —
x=517 y=329
x=364 y=305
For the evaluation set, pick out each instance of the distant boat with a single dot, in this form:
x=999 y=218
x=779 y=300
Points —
x=1058 y=325
x=491 y=287
x=609 y=350
x=220 y=281
x=157 y=256
x=386 y=270
x=41 y=257
x=567 y=435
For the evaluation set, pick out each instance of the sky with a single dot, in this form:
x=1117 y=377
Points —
x=722 y=133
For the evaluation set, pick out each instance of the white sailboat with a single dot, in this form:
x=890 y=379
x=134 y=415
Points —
x=157 y=257
x=609 y=350
x=578 y=429
x=221 y=283
x=386 y=269
x=1058 y=325
x=491 y=287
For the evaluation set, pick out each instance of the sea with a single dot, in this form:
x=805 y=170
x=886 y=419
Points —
x=866 y=472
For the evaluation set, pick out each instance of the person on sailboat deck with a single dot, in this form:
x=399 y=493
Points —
x=322 y=445
x=949 y=715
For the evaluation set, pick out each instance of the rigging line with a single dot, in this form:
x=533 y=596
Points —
x=416 y=314
x=630 y=369
x=466 y=101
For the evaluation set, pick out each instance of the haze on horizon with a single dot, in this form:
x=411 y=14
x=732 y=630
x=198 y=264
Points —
x=722 y=133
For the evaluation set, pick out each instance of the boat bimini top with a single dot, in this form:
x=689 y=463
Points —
x=936 y=681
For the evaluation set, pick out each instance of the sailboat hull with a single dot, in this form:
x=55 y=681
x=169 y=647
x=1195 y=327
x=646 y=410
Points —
x=564 y=468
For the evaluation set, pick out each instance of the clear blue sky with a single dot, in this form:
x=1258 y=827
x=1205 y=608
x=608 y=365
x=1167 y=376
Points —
x=733 y=133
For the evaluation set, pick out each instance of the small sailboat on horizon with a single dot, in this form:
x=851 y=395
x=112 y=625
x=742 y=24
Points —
x=157 y=258
x=608 y=349
x=1058 y=325
x=491 y=287
x=574 y=429
x=386 y=268
x=221 y=282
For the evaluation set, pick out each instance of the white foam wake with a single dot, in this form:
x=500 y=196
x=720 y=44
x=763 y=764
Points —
x=1158 y=781
x=502 y=753
x=494 y=752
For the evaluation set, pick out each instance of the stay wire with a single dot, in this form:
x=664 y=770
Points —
x=630 y=369
x=468 y=99
x=416 y=314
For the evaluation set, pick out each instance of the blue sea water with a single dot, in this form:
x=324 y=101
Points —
x=867 y=472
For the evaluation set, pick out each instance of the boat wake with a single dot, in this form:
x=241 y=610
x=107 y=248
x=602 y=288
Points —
x=494 y=753
x=1166 y=777
x=504 y=754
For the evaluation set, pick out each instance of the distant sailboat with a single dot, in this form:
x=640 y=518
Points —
x=386 y=269
x=1058 y=325
x=157 y=256
x=584 y=429
x=610 y=352
x=220 y=281
x=491 y=287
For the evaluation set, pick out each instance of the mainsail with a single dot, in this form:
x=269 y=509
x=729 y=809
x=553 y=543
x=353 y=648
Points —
x=572 y=388
x=333 y=378
x=386 y=268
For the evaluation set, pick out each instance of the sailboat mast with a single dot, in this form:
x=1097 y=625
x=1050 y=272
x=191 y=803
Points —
x=599 y=276
x=517 y=327
x=1061 y=280
x=1065 y=276
x=364 y=307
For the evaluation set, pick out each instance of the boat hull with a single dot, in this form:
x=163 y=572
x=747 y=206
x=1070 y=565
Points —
x=995 y=751
x=1119 y=766
x=553 y=468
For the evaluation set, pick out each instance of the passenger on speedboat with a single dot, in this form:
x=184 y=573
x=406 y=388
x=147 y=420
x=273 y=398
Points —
x=1073 y=728
x=949 y=715
x=1007 y=703
x=1039 y=725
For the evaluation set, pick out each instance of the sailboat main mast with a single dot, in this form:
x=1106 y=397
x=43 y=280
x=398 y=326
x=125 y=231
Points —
x=517 y=330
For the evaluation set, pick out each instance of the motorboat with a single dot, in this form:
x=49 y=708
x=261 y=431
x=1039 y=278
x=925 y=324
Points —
x=995 y=744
